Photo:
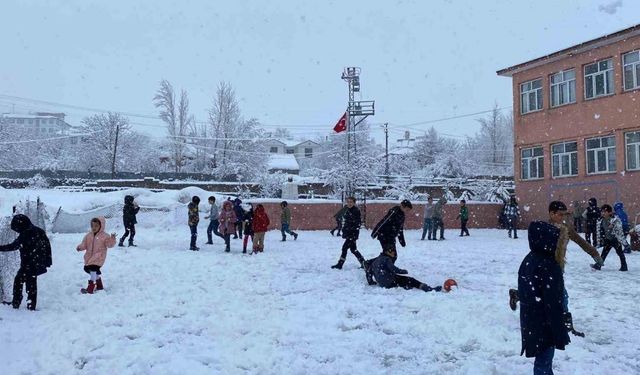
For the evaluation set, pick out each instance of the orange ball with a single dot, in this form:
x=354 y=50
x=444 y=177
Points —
x=448 y=284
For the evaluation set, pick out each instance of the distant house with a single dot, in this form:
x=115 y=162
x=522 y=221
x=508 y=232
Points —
x=40 y=123
x=300 y=149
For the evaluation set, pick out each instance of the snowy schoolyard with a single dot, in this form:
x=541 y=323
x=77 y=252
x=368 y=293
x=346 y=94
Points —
x=167 y=310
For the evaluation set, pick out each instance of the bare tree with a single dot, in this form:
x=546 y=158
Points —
x=224 y=117
x=492 y=135
x=177 y=118
x=109 y=131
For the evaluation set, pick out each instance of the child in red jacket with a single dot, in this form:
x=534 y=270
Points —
x=260 y=226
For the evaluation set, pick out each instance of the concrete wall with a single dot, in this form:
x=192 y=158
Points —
x=319 y=216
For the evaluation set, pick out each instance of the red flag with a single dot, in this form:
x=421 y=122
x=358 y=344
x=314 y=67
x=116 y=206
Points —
x=342 y=124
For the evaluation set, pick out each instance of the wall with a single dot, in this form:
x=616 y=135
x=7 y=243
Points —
x=319 y=216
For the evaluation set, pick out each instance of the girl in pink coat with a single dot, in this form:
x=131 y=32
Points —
x=227 y=220
x=95 y=244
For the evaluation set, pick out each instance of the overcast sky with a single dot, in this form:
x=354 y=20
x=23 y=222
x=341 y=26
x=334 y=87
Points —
x=420 y=60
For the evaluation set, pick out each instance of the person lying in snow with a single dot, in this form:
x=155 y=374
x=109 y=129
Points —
x=387 y=275
x=35 y=258
x=95 y=245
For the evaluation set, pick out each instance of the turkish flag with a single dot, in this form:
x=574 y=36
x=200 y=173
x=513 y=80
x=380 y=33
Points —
x=342 y=124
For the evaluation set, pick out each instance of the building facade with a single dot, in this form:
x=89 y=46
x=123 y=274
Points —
x=300 y=149
x=577 y=125
x=40 y=123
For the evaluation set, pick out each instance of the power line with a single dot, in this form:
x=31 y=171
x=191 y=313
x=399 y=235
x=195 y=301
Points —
x=51 y=139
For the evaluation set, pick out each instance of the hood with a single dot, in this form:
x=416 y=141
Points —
x=195 y=199
x=618 y=206
x=259 y=209
x=543 y=237
x=227 y=205
x=593 y=202
x=128 y=199
x=103 y=224
x=20 y=223
x=237 y=201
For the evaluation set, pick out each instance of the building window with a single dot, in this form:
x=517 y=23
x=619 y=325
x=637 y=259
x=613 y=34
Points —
x=50 y=121
x=20 y=121
x=598 y=79
x=532 y=163
x=290 y=151
x=531 y=96
x=30 y=121
x=631 y=70
x=273 y=150
x=601 y=155
x=12 y=121
x=633 y=150
x=563 y=88
x=308 y=152
x=564 y=159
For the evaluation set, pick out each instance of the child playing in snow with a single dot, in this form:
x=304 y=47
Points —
x=95 y=244
x=387 y=275
x=464 y=217
x=213 y=221
x=260 y=225
x=247 y=229
x=227 y=227
x=129 y=212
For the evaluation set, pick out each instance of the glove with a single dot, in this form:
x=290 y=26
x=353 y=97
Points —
x=402 y=242
x=598 y=260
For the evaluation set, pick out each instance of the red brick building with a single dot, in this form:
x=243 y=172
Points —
x=577 y=124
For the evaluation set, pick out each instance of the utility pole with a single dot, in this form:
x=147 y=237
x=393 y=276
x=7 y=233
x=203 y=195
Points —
x=115 y=150
x=386 y=151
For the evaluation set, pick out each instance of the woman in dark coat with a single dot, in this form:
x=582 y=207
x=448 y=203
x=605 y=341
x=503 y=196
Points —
x=541 y=292
x=35 y=258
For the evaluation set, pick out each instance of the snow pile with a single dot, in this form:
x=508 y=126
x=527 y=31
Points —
x=283 y=162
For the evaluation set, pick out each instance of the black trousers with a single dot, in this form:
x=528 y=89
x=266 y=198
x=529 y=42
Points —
x=512 y=225
x=388 y=245
x=31 y=282
x=577 y=223
x=406 y=282
x=194 y=234
x=92 y=268
x=607 y=245
x=350 y=244
x=463 y=227
x=129 y=230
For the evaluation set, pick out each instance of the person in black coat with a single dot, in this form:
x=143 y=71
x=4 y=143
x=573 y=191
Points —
x=387 y=275
x=351 y=223
x=237 y=208
x=129 y=212
x=592 y=215
x=392 y=226
x=248 y=229
x=35 y=258
x=541 y=293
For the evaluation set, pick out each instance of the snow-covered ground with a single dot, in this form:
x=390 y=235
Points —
x=167 y=310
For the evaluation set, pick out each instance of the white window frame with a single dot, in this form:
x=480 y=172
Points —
x=565 y=87
x=537 y=160
x=607 y=74
x=592 y=153
x=636 y=146
x=526 y=90
x=635 y=71
x=561 y=156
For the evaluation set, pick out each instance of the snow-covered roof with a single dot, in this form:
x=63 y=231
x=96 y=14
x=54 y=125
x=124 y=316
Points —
x=291 y=142
x=15 y=115
x=283 y=162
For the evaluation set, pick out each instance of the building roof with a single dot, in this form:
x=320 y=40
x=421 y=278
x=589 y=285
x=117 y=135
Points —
x=15 y=115
x=571 y=51
x=290 y=142
x=286 y=162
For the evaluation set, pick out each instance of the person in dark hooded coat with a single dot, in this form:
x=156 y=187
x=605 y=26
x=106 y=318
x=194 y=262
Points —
x=351 y=223
x=129 y=212
x=35 y=258
x=391 y=226
x=592 y=215
x=541 y=292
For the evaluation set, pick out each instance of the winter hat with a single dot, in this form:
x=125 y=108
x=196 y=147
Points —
x=20 y=223
x=593 y=202
x=543 y=237
x=406 y=203
x=195 y=199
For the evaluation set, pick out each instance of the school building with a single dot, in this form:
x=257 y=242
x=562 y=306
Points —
x=577 y=125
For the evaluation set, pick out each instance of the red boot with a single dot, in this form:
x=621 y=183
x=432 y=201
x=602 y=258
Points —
x=90 y=288
x=99 y=285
